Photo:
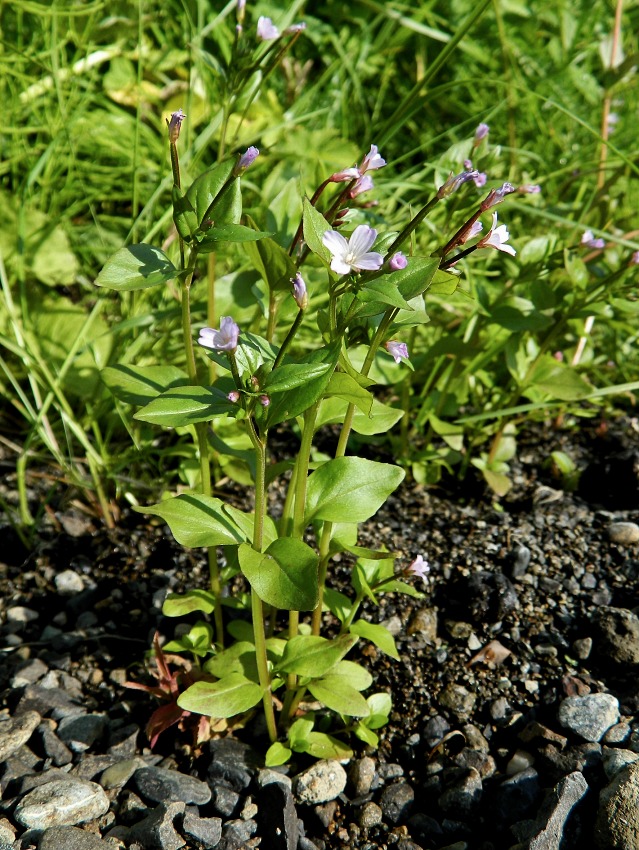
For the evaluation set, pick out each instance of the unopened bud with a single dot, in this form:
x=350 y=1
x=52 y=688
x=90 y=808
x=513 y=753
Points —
x=265 y=400
x=397 y=262
x=233 y=396
x=299 y=291
x=175 y=125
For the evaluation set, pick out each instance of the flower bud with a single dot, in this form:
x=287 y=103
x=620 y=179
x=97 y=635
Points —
x=299 y=291
x=397 y=261
x=247 y=159
x=175 y=125
x=265 y=400
x=233 y=396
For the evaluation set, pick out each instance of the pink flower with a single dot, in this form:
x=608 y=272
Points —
x=247 y=159
x=345 y=175
x=174 y=125
x=299 y=291
x=419 y=568
x=364 y=184
x=589 y=240
x=223 y=340
x=397 y=262
x=496 y=196
x=372 y=161
x=480 y=133
x=397 y=350
x=454 y=182
x=497 y=238
x=354 y=254
x=529 y=189
x=266 y=29
x=265 y=400
x=474 y=230
x=233 y=396
x=480 y=180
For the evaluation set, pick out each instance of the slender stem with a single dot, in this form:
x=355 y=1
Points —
x=272 y=316
x=605 y=124
x=300 y=228
x=413 y=225
x=257 y=610
x=211 y=317
x=289 y=338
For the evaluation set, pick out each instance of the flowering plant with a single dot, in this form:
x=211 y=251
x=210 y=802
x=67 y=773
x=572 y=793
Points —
x=368 y=290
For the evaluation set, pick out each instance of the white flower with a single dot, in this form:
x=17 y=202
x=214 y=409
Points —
x=419 y=568
x=223 y=340
x=266 y=29
x=354 y=254
x=372 y=161
x=497 y=238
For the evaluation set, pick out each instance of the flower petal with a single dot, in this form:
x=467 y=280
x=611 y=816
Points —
x=370 y=261
x=335 y=242
x=362 y=239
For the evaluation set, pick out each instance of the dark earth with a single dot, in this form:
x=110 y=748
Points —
x=516 y=699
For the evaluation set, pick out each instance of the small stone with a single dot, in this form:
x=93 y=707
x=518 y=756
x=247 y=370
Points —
x=55 y=749
x=480 y=761
x=236 y=833
x=458 y=700
x=393 y=625
x=61 y=802
x=130 y=808
x=396 y=802
x=617 y=824
x=157 y=832
x=535 y=732
x=163 y=786
x=582 y=648
x=29 y=673
x=82 y=731
x=18 y=615
x=205 y=831
x=69 y=583
x=232 y=763
x=520 y=761
x=520 y=560
x=617 y=635
x=16 y=731
x=617 y=734
x=323 y=781
x=370 y=815
x=434 y=729
x=91 y=767
x=550 y=829
x=517 y=796
x=616 y=758
x=501 y=711
x=624 y=533
x=118 y=774
x=424 y=623
x=277 y=819
x=268 y=775
x=225 y=801
x=463 y=795
x=7 y=831
x=70 y=838
x=589 y=716
x=361 y=773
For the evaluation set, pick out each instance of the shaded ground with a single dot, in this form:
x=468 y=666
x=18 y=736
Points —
x=529 y=572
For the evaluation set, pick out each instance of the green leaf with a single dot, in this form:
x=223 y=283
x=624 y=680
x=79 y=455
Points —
x=140 y=384
x=238 y=658
x=377 y=634
x=323 y=746
x=277 y=754
x=184 y=216
x=417 y=277
x=288 y=377
x=345 y=387
x=181 y=604
x=366 y=735
x=246 y=524
x=234 y=694
x=337 y=603
x=196 y=520
x=309 y=655
x=335 y=693
x=230 y=233
x=285 y=575
x=292 y=403
x=300 y=730
x=357 y=676
x=206 y=188
x=350 y=489
x=136 y=267
x=181 y=406
x=559 y=380
x=380 y=420
x=272 y=263
x=198 y=640
x=315 y=226
x=383 y=290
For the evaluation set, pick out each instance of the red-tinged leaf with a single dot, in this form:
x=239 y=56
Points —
x=162 y=719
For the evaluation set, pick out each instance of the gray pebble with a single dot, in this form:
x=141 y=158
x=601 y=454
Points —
x=396 y=802
x=617 y=635
x=582 y=648
x=82 y=731
x=268 y=775
x=279 y=827
x=589 y=716
x=518 y=796
x=232 y=763
x=237 y=832
x=29 y=673
x=617 y=734
x=424 y=623
x=520 y=560
x=624 y=533
x=18 y=615
x=69 y=583
x=61 y=802
x=7 y=832
x=55 y=749
x=361 y=773
x=70 y=838
x=323 y=781
x=16 y=731
x=616 y=758
x=156 y=832
x=206 y=831
x=118 y=774
x=393 y=625
x=161 y=785
x=617 y=824
x=458 y=700
x=370 y=815
x=463 y=795
x=550 y=825
x=225 y=801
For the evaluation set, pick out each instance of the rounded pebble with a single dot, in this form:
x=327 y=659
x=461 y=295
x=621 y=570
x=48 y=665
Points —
x=589 y=716
x=323 y=781
x=61 y=802
x=370 y=815
x=169 y=786
x=624 y=533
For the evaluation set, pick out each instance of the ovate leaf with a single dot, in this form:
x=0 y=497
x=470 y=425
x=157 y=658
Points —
x=136 y=267
x=234 y=694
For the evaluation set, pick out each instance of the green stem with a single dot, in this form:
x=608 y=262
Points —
x=257 y=610
x=290 y=336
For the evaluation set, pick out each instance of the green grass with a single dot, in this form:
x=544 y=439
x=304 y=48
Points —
x=84 y=169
